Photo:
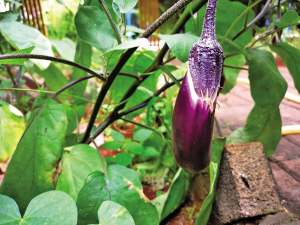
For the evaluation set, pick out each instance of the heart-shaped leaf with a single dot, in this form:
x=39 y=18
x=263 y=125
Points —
x=122 y=186
x=52 y=207
x=76 y=166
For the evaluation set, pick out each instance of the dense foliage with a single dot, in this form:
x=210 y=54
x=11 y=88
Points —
x=54 y=175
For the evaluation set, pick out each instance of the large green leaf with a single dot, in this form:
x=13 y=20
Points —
x=12 y=126
x=267 y=85
x=17 y=61
x=94 y=28
x=76 y=166
x=8 y=16
x=54 y=78
x=214 y=166
x=22 y=36
x=291 y=58
x=171 y=200
x=268 y=88
x=113 y=213
x=180 y=44
x=33 y=165
x=65 y=47
x=123 y=187
x=261 y=126
x=83 y=56
x=230 y=73
x=290 y=18
x=52 y=207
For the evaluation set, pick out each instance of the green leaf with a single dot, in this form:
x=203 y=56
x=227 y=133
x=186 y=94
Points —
x=290 y=18
x=117 y=136
x=83 y=56
x=12 y=126
x=52 y=207
x=142 y=134
x=214 y=166
x=122 y=186
x=124 y=5
x=291 y=58
x=168 y=202
x=17 y=61
x=32 y=167
x=126 y=45
x=21 y=36
x=76 y=166
x=9 y=211
x=230 y=73
x=113 y=213
x=8 y=16
x=150 y=151
x=94 y=28
x=65 y=47
x=73 y=113
x=112 y=145
x=180 y=44
x=54 y=78
x=123 y=159
x=135 y=148
x=267 y=85
x=261 y=126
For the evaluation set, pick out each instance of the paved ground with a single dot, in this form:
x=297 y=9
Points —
x=285 y=163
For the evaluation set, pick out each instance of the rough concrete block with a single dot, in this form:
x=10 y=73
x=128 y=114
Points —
x=246 y=186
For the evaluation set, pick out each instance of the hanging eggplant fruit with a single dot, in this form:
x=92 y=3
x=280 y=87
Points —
x=193 y=117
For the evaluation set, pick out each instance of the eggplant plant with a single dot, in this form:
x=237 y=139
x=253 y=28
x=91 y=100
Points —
x=54 y=176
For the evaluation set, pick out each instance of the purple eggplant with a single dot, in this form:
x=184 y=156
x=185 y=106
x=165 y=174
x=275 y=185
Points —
x=193 y=116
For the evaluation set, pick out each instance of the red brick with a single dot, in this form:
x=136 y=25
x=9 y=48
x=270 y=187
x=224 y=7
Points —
x=289 y=189
x=294 y=167
x=286 y=150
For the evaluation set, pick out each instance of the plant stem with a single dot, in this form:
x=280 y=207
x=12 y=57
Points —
x=123 y=59
x=10 y=75
x=186 y=15
x=71 y=84
x=264 y=10
x=139 y=124
x=41 y=91
x=162 y=121
x=170 y=75
x=237 y=19
x=165 y=16
x=143 y=104
x=18 y=76
x=111 y=21
x=235 y=67
x=50 y=58
x=115 y=116
x=263 y=35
